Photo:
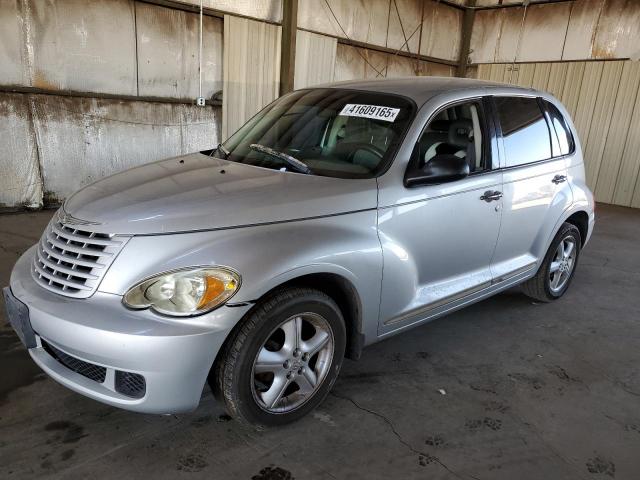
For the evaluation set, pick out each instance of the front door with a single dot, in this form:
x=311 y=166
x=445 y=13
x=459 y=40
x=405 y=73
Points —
x=438 y=246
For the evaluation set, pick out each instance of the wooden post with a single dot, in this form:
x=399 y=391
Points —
x=467 y=28
x=288 y=45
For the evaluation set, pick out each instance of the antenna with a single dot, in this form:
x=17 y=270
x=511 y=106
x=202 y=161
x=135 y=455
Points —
x=200 y=100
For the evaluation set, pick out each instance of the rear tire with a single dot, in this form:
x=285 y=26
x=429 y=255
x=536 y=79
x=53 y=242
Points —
x=283 y=359
x=557 y=269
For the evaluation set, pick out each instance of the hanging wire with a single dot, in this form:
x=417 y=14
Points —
x=200 y=57
x=348 y=38
x=406 y=42
x=418 y=64
x=404 y=35
x=515 y=56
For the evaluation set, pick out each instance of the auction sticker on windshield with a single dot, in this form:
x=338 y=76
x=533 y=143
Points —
x=374 y=112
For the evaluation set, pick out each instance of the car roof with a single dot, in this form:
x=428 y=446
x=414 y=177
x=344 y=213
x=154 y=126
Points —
x=422 y=89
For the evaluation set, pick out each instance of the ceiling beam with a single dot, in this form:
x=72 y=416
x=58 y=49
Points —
x=523 y=3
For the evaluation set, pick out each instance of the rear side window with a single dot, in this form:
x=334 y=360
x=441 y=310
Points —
x=565 y=144
x=524 y=130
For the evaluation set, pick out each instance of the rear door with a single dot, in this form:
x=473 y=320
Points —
x=534 y=183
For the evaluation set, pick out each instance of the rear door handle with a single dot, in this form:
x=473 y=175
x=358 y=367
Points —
x=490 y=196
x=559 y=179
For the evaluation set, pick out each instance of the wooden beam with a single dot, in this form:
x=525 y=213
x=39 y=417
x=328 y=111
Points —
x=379 y=48
x=288 y=45
x=207 y=11
x=467 y=29
x=523 y=3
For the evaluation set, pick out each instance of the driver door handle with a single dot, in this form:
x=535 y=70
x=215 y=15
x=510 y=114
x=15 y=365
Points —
x=490 y=196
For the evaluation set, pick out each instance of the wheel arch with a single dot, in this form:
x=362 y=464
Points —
x=336 y=286
x=344 y=293
x=580 y=220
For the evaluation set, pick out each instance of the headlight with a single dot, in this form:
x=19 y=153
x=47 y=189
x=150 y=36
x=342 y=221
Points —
x=184 y=292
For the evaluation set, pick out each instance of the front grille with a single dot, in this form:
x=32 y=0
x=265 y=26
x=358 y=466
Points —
x=130 y=384
x=71 y=261
x=86 y=369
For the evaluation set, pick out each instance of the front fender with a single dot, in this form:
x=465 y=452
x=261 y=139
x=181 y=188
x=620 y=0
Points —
x=266 y=256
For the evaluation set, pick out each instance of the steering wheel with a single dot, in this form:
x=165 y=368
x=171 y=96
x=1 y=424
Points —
x=367 y=147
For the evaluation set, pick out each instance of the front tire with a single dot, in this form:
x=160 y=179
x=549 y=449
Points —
x=559 y=266
x=283 y=359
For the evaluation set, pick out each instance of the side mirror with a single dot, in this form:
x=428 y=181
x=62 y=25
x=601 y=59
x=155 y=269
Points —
x=440 y=169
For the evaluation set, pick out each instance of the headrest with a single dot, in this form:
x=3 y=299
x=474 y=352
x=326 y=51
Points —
x=430 y=138
x=459 y=131
x=440 y=125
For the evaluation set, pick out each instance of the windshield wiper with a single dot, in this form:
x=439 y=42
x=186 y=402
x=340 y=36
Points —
x=223 y=151
x=291 y=161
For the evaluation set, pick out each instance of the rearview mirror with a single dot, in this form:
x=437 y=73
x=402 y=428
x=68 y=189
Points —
x=440 y=169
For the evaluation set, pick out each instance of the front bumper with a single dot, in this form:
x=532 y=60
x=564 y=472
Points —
x=173 y=356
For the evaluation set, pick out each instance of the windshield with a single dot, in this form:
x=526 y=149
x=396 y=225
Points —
x=336 y=133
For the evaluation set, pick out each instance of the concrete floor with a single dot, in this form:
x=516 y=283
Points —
x=532 y=392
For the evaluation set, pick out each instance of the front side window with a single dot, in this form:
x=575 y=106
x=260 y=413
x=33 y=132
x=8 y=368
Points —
x=457 y=130
x=524 y=130
x=331 y=132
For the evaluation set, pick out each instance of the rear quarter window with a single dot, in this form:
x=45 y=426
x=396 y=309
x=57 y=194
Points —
x=524 y=130
x=558 y=125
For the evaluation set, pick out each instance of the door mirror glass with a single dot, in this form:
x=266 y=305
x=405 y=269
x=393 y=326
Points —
x=440 y=169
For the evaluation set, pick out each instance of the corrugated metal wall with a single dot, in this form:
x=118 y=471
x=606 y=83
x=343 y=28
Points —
x=409 y=26
x=252 y=70
x=252 y=54
x=544 y=46
x=80 y=52
x=354 y=62
x=603 y=97
x=578 y=30
x=144 y=54
x=20 y=181
x=428 y=27
x=52 y=145
x=315 y=59
x=84 y=139
x=167 y=50
x=88 y=88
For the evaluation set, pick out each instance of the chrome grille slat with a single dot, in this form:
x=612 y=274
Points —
x=71 y=261
x=68 y=271
x=53 y=278
x=84 y=239
x=66 y=258
x=56 y=289
x=75 y=249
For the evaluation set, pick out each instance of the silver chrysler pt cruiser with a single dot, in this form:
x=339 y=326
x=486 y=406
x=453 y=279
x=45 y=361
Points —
x=334 y=218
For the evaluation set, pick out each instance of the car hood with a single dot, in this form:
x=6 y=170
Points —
x=198 y=192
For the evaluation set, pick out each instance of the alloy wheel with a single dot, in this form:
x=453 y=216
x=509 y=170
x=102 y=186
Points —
x=292 y=363
x=562 y=264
